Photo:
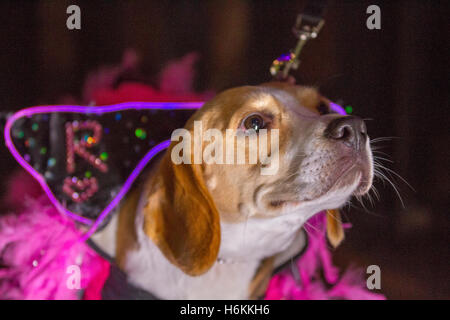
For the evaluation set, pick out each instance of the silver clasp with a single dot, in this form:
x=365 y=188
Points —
x=306 y=27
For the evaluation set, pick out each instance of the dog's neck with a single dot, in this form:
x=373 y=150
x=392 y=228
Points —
x=259 y=238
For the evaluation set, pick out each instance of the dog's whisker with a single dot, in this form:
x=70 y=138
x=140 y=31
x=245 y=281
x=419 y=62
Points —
x=376 y=148
x=361 y=203
x=381 y=158
x=362 y=200
x=315 y=228
x=375 y=192
x=348 y=205
x=307 y=232
x=380 y=152
x=371 y=200
x=311 y=226
x=344 y=214
x=334 y=217
x=397 y=175
x=368 y=198
x=393 y=186
x=378 y=139
x=278 y=183
x=372 y=213
x=365 y=209
x=379 y=167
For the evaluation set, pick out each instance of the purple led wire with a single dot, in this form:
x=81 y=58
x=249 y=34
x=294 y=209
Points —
x=337 y=108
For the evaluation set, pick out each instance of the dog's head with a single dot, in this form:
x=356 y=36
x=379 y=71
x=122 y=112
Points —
x=322 y=160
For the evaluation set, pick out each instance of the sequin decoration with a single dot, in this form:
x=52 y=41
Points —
x=349 y=109
x=104 y=156
x=80 y=189
x=51 y=162
x=140 y=133
x=79 y=146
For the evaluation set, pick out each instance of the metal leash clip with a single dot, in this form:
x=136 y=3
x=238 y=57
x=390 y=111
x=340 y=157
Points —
x=306 y=27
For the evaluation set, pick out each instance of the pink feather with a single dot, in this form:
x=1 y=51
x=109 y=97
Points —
x=37 y=246
x=311 y=286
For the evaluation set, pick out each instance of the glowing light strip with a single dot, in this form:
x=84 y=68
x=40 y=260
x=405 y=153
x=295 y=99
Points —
x=337 y=108
x=127 y=185
x=92 y=110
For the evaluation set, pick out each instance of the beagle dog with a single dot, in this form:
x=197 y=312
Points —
x=217 y=231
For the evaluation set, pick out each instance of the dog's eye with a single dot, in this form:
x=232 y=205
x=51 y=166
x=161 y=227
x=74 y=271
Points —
x=255 y=122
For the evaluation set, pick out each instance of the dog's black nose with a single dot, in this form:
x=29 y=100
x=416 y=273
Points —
x=350 y=130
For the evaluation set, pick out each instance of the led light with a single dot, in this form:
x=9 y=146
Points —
x=349 y=109
x=140 y=133
x=104 y=156
x=51 y=162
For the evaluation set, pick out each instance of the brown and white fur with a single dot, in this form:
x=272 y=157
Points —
x=212 y=231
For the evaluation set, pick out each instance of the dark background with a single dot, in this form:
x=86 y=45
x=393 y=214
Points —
x=397 y=76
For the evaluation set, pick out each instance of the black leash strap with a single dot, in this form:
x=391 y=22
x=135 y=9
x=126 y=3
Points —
x=117 y=286
x=307 y=26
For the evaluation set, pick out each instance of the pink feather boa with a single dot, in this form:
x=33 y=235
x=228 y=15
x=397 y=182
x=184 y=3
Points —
x=38 y=244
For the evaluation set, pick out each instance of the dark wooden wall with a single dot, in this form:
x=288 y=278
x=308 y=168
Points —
x=397 y=76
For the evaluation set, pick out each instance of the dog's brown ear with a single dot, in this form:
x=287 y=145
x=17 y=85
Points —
x=335 y=231
x=181 y=218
